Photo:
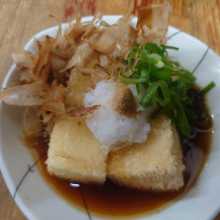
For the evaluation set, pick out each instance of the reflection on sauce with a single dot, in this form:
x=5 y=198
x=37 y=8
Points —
x=118 y=201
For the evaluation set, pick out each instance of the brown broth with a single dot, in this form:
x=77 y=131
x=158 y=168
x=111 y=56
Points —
x=115 y=201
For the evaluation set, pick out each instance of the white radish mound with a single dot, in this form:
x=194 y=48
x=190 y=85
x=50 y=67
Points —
x=108 y=126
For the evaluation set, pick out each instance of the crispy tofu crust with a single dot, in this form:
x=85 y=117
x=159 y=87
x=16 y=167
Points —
x=156 y=165
x=75 y=154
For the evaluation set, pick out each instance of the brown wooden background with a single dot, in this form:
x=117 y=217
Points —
x=20 y=19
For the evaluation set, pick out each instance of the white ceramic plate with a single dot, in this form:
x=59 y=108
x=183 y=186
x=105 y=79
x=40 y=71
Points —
x=39 y=202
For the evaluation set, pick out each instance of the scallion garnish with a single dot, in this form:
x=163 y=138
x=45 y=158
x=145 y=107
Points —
x=162 y=82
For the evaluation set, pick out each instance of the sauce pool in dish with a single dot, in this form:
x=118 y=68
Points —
x=113 y=200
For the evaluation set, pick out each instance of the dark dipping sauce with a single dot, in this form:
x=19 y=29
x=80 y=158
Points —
x=116 y=201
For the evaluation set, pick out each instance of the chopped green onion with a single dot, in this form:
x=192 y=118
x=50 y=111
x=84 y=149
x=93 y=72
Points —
x=150 y=93
x=127 y=80
x=160 y=64
x=162 y=83
x=208 y=88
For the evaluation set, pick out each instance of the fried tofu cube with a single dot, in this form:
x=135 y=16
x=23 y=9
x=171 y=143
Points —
x=75 y=154
x=156 y=165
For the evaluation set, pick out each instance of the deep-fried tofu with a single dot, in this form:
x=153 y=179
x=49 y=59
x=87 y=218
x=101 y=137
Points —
x=156 y=165
x=75 y=154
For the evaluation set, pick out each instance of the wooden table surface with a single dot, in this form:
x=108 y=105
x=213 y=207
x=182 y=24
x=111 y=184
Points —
x=20 y=19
